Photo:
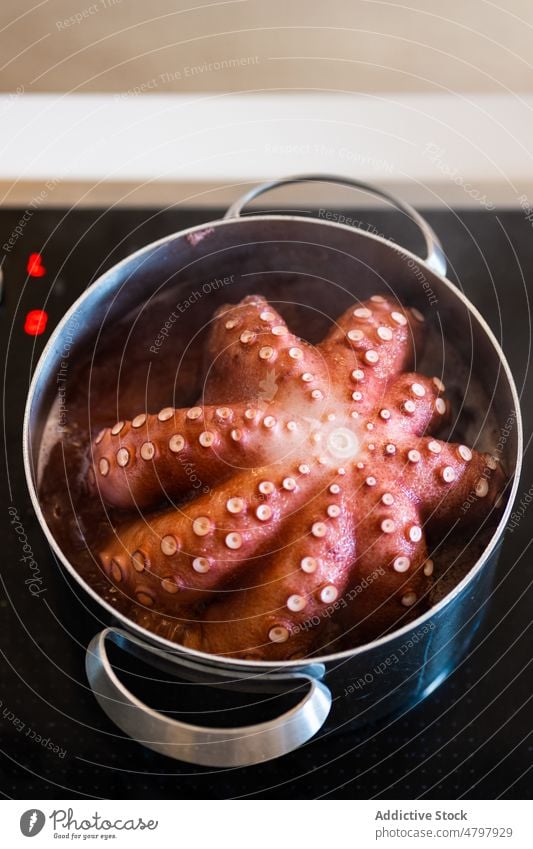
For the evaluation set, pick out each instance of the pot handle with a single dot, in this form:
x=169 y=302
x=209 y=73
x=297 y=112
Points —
x=435 y=258
x=213 y=747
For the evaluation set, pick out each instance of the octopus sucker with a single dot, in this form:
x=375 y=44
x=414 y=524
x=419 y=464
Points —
x=322 y=477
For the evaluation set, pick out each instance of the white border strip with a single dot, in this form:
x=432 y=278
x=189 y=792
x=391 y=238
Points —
x=390 y=824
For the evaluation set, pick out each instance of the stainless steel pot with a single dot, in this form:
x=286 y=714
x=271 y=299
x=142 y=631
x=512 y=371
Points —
x=354 y=686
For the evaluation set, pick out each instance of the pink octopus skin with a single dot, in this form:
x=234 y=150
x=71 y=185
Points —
x=323 y=478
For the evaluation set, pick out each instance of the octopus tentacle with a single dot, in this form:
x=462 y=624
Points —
x=393 y=573
x=138 y=462
x=181 y=556
x=373 y=342
x=414 y=404
x=251 y=342
x=389 y=527
x=293 y=592
x=455 y=482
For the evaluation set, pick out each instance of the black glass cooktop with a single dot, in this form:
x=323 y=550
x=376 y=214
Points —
x=471 y=738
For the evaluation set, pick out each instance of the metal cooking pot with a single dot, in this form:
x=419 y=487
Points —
x=322 y=256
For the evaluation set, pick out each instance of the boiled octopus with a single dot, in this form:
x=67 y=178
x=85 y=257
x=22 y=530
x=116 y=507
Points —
x=320 y=479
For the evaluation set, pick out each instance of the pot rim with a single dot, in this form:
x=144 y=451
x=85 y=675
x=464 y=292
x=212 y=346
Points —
x=211 y=660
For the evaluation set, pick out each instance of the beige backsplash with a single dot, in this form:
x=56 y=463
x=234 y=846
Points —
x=170 y=46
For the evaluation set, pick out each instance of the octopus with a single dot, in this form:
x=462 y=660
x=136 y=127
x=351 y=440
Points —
x=321 y=478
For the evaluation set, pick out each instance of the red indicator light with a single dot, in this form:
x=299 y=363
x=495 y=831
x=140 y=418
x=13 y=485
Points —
x=35 y=323
x=34 y=266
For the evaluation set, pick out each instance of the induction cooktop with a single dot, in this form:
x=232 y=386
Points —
x=472 y=738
